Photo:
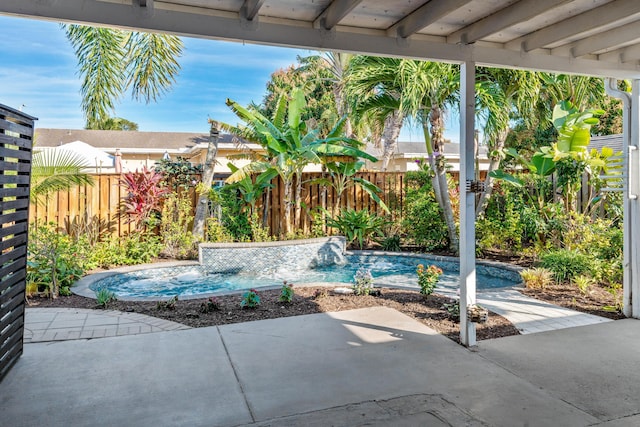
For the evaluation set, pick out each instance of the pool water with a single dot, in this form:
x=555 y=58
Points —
x=193 y=281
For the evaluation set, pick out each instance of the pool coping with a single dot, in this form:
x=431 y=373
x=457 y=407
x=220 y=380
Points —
x=81 y=287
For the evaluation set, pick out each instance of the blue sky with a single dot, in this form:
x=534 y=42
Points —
x=38 y=74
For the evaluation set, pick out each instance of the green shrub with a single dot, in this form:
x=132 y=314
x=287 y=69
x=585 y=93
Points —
x=391 y=243
x=134 y=248
x=258 y=232
x=54 y=261
x=566 y=264
x=363 y=282
x=286 y=292
x=428 y=278
x=177 y=239
x=216 y=232
x=536 y=278
x=232 y=213
x=423 y=221
x=104 y=297
x=502 y=227
x=600 y=238
x=250 y=299
x=583 y=283
x=360 y=226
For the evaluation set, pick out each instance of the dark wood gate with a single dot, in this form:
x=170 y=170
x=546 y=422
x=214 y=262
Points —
x=16 y=142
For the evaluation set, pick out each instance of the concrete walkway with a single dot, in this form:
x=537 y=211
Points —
x=530 y=315
x=61 y=324
x=373 y=366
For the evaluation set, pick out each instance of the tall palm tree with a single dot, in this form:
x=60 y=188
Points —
x=290 y=145
x=373 y=88
x=112 y=61
x=502 y=95
x=394 y=90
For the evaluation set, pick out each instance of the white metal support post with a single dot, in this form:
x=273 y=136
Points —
x=611 y=87
x=634 y=201
x=467 y=202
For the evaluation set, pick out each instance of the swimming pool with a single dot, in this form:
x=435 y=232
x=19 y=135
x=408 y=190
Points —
x=193 y=281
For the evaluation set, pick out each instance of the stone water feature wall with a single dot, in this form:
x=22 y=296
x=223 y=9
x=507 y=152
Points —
x=271 y=256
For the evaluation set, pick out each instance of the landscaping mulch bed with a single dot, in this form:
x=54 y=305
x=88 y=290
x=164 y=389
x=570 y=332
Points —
x=429 y=311
x=594 y=301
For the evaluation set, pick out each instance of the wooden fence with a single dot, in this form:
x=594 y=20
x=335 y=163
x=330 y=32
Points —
x=88 y=207
x=16 y=137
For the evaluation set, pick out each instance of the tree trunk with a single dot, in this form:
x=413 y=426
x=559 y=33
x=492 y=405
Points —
x=339 y=99
x=392 y=127
x=298 y=201
x=265 y=209
x=494 y=164
x=288 y=193
x=202 y=208
x=437 y=129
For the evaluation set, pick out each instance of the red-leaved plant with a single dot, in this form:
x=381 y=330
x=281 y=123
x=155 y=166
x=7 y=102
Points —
x=145 y=195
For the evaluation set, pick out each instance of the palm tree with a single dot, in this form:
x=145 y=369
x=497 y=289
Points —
x=55 y=170
x=112 y=61
x=502 y=95
x=375 y=92
x=290 y=145
x=392 y=90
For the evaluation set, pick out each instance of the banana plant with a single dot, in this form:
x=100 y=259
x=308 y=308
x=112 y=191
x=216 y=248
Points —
x=342 y=178
x=290 y=145
x=251 y=190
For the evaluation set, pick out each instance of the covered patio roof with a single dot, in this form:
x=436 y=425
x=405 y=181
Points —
x=594 y=37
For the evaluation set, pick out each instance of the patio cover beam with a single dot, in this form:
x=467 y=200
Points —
x=424 y=16
x=334 y=13
x=624 y=55
x=607 y=39
x=250 y=9
x=518 y=12
x=467 y=202
x=223 y=25
x=592 y=19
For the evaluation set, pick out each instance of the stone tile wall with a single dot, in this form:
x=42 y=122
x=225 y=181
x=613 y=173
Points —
x=271 y=256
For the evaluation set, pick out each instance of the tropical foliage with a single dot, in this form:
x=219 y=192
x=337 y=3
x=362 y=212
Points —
x=55 y=170
x=290 y=145
x=112 y=62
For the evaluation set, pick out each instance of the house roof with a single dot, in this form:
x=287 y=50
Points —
x=111 y=139
x=594 y=37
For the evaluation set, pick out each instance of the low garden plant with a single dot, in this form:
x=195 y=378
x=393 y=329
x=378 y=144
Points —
x=250 y=299
x=363 y=282
x=169 y=304
x=566 y=264
x=286 y=292
x=212 y=304
x=55 y=261
x=428 y=278
x=536 y=278
x=358 y=227
x=104 y=296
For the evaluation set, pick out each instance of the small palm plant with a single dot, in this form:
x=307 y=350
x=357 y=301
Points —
x=55 y=170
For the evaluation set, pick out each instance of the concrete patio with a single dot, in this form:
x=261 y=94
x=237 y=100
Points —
x=371 y=366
